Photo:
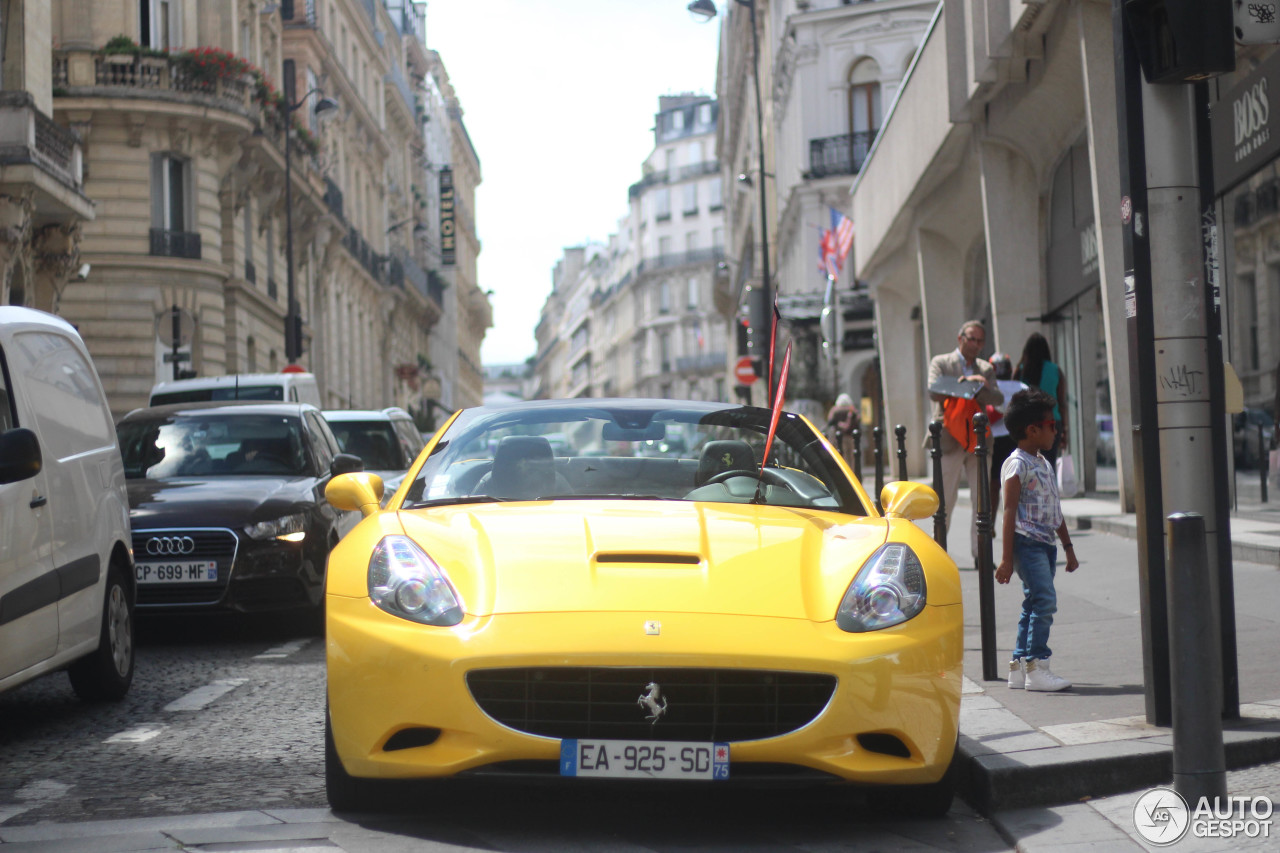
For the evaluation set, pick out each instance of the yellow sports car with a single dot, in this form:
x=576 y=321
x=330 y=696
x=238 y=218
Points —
x=640 y=589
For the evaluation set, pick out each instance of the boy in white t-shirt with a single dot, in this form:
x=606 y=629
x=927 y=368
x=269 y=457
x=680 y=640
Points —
x=1032 y=520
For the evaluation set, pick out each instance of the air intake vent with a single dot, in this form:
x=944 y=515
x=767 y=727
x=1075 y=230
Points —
x=679 y=559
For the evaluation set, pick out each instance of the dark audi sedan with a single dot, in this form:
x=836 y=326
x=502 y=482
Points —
x=227 y=504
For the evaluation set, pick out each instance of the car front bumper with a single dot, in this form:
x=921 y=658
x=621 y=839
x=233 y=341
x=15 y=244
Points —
x=388 y=676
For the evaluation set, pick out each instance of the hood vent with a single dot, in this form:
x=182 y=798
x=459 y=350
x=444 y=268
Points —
x=676 y=559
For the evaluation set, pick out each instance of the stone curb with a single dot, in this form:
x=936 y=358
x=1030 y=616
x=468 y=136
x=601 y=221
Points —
x=1060 y=775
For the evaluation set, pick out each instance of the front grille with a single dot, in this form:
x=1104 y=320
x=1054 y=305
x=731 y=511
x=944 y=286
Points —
x=217 y=544
x=708 y=705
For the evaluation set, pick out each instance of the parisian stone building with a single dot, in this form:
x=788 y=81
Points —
x=204 y=224
x=647 y=313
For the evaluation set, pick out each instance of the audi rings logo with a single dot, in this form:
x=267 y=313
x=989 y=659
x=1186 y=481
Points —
x=170 y=545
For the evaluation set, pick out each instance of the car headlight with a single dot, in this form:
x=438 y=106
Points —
x=407 y=583
x=888 y=590
x=291 y=528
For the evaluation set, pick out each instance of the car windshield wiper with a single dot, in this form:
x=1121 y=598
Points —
x=604 y=497
x=463 y=499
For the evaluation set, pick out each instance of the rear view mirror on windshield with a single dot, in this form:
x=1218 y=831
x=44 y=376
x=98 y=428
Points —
x=653 y=432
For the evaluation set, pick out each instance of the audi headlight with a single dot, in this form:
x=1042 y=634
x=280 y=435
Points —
x=407 y=583
x=888 y=590
x=290 y=528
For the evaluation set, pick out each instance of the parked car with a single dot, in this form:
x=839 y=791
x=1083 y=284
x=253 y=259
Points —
x=731 y=610
x=1245 y=429
x=286 y=386
x=66 y=574
x=387 y=440
x=227 y=503
x=1106 y=441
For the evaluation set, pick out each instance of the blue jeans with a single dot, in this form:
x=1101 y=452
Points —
x=1035 y=564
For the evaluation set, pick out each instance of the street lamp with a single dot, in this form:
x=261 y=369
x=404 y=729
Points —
x=292 y=317
x=760 y=304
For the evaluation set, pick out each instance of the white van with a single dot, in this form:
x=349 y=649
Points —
x=66 y=569
x=287 y=387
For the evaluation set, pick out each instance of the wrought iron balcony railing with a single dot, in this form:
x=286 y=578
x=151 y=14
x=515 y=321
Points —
x=175 y=244
x=839 y=155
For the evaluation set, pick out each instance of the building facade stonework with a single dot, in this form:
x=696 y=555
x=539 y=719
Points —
x=178 y=106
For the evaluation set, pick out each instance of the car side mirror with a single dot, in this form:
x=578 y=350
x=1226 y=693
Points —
x=20 y=457
x=358 y=491
x=907 y=499
x=345 y=463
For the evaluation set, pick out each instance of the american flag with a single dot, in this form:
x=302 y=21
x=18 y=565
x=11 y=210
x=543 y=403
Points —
x=834 y=245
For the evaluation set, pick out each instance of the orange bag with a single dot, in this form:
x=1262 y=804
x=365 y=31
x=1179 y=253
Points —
x=957 y=417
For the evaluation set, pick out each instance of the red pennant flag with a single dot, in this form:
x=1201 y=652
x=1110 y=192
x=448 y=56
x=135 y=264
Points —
x=773 y=336
x=777 y=406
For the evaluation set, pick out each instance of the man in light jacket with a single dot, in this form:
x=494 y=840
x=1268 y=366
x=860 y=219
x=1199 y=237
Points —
x=963 y=363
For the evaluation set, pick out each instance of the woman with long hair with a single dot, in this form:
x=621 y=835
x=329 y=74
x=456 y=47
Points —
x=1037 y=369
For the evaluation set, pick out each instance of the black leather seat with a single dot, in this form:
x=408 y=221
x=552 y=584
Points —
x=524 y=468
x=725 y=455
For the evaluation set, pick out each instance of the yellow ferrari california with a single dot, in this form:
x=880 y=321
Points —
x=644 y=590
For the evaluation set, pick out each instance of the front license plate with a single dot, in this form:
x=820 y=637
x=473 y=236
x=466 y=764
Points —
x=639 y=759
x=179 y=571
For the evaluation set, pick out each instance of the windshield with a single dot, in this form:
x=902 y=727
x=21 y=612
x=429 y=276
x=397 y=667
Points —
x=213 y=446
x=670 y=452
x=226 y=392
x=375 y=442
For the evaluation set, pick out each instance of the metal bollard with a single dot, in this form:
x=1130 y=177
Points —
x=1195 y=663
x=878 y=440
x=1264 y=463
x=857 y=453
x=986 y=570
x=901 y=432
x=939 y=517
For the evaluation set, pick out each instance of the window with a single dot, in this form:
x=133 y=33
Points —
x=677 y=120
x=670 y=160
x=695 y=152
x=64 y=395
x=662 y=204
x=170 y=192
x=704 y=114
x=664 y=246
x=159 y=24
x=250 y=273
x=664 y=355
x=691 y=242
x=717 y=237
x=313 y=121
x=714 y=197
x=693 y=292
x=690 y=198
x=864 y=97
x=664 y=304
x=173 y=232
x=7 y=416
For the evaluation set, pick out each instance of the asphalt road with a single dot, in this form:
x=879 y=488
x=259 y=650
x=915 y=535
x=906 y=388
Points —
x=227 y=715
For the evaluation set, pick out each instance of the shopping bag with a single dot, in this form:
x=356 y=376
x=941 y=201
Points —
x=1068 y=483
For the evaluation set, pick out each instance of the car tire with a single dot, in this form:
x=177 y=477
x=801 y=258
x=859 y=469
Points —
x=106 y=673
x=923 y=801
x=345 y=792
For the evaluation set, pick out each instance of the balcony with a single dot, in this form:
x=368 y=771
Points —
x=839 y=155
x=705 y=361
x=36 y=151
x=676 y=259
x=175 y=244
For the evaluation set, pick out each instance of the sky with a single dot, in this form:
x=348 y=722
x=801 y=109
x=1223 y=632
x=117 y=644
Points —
x=558 y=97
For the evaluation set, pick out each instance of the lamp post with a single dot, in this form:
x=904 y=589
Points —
x=292 y=317
x=760 y=307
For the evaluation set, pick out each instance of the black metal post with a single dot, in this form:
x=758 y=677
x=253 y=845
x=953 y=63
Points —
x=292 y=345
x=986 y=570
x=901 y=432
x=177 y=339
x=856 y=434
x=939 y=517
x=1199 y=763
x=877 y=435
x=840 y=443
x=1263 y=464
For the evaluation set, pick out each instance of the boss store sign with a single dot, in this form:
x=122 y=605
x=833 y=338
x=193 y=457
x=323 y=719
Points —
x=1245 y=135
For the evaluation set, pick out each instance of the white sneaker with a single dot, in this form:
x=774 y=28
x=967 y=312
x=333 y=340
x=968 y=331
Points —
x=1017 y=674
x=1041 y=678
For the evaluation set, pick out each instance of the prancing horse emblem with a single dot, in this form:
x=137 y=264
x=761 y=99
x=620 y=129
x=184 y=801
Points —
x=654 y=701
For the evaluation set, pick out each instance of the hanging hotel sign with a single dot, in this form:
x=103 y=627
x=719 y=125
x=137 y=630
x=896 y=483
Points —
x=1244 y=136
x=448 y=236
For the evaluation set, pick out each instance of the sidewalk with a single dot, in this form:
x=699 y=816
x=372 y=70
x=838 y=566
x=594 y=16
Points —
x=1057 y=770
